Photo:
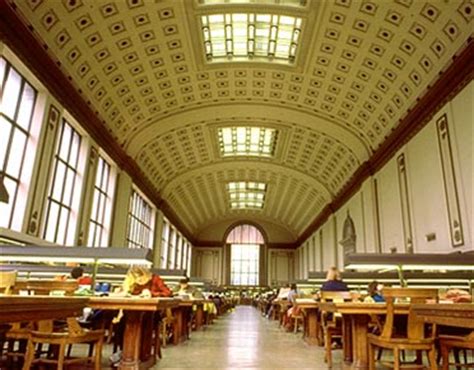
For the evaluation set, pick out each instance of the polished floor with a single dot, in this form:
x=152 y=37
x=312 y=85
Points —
x=243 y=339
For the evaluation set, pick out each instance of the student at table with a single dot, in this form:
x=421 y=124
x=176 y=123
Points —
x=139 y=281
x=142 y=282
x=334 y=282
x=374 y=292
x=77 y=273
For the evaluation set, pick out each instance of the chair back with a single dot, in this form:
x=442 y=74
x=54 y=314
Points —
x=7 y=281
x=336 y=297
x=45 y=287
x=415 y=328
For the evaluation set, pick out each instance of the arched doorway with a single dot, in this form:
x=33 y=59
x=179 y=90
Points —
x=246 y=253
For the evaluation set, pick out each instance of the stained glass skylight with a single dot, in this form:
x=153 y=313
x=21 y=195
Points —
x=247 y=141
x=246 y=195
x=244 y=36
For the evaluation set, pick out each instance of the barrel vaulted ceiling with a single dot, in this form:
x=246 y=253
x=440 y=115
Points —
x=359 y=67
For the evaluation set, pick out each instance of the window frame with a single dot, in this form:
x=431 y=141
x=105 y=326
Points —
x=106 y=193
x=140 y=221
x=16 y=204
x=77 y=169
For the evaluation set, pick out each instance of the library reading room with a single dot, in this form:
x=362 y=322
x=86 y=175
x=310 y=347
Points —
x=236 y=184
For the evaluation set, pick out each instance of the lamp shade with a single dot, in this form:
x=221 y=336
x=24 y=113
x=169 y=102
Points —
x=31 y=253
x=432 y=262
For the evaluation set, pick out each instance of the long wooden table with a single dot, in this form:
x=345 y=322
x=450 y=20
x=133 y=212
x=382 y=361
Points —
x=136 y=352
x=355 y=324
x=456 y=314
x=34 y=308
x=312 y=324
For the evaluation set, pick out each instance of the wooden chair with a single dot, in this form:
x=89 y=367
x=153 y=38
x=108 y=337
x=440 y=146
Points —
x=74 y=335
x=456 y=343
x=332 y=323
x=167 y=323
x=19 y=333
x=415 y=334
x=7 y=281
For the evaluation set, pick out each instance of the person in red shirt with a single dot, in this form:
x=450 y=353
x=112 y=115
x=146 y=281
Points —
x=78 y=274
x=141 y=281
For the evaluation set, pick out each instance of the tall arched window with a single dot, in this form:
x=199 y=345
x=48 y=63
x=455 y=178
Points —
x=245 y=242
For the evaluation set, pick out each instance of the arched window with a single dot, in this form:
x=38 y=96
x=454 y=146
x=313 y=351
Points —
x=245 y=242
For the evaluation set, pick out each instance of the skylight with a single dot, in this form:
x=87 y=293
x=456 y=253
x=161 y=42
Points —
x=244 y=36
x=247 y=141
x=246 y=195
x=265 y=2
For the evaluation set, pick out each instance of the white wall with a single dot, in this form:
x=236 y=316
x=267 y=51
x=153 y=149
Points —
x=280 y=266
x=207 y=264
x=426 y=194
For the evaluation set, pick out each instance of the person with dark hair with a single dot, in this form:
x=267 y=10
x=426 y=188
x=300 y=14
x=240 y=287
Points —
x=374 y=292
x=77 y=273
x=334 y=282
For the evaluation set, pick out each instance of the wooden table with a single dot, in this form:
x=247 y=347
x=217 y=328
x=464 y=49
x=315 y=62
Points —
x=183 y=314
x=312 y=324
x=34 y=308
x=136 y=352
x=456 y=314
x=355 y=323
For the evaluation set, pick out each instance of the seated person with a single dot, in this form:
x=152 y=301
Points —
x=78 y=274
x=334 y=282
x=141 y=281
x=458 y=296
x=283 y=293
x=186 y=289
x=374 y=292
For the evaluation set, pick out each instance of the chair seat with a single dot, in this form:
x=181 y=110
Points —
x=401 y=343
x=455 y=341
x=68 y=338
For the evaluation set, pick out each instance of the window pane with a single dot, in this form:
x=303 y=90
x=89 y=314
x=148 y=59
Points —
x=11 y=94
x=16 y=154
x=26 y=107
x=5 y=129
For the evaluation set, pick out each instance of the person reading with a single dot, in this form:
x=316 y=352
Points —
x=142 y=282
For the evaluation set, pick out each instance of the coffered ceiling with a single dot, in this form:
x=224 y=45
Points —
x=359 y=67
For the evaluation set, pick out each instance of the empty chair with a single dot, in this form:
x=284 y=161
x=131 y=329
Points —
x=447 y=343
x=414 y=339
x=74 y=335
x=332 y=323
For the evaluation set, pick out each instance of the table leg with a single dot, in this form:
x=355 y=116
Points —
x=178 y=313
x=312 y=327
x=360 y=324
x=148 y=327
x=347 y=338
x=199 y=316
x=131 y=341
